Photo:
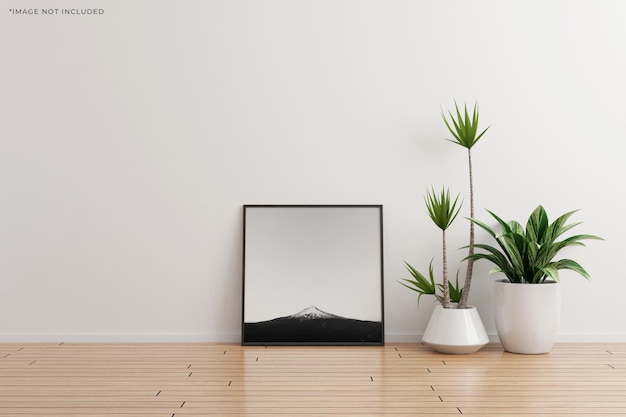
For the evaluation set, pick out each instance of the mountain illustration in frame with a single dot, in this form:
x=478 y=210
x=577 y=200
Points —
x=314 y=326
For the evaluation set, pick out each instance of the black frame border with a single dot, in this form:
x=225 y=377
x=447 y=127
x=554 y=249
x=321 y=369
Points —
x=382 y=280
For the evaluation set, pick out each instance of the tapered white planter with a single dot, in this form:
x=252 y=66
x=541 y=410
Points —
x=527 y=316
x=454 y=330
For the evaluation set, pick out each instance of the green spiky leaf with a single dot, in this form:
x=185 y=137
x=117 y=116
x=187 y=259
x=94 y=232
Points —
x=463 y=127
x=419 y=283
x=441 y=209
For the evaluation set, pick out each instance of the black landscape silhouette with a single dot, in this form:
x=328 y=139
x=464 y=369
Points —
x=313 y=326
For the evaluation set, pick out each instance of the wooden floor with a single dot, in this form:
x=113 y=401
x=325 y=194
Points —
x=199 y=379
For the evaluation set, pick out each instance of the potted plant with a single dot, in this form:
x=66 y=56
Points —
x=450 y=329
x=453 y=327
x=527 y=304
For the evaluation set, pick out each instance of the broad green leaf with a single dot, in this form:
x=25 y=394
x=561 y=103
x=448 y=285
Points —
x=527 y=255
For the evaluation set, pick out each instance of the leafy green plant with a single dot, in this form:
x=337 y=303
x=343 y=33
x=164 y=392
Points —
x=442 y=211
x=427 y=286
x=464 y=129
x=527 y=255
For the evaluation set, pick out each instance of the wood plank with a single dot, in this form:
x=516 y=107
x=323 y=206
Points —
x=212 y=379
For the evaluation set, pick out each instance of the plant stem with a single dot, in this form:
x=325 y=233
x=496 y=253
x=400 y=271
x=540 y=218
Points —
x=446 y=286
x=470 y=262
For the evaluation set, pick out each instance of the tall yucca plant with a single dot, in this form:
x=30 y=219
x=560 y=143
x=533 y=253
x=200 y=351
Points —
x=464 y=129
x=442 y=211
x=527 y=255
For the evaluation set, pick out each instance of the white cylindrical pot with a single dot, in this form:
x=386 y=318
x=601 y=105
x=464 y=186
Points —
x=527 y=316
x=454 y=330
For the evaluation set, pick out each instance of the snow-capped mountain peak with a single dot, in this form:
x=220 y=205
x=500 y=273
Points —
x=311 y=313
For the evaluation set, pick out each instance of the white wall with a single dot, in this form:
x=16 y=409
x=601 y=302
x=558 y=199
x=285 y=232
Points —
x=129 y=142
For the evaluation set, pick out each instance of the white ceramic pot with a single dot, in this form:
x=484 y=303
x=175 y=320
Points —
x=454 y=330
x=527 y=316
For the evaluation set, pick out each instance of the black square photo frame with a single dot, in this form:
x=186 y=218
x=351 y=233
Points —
x=313 y=275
